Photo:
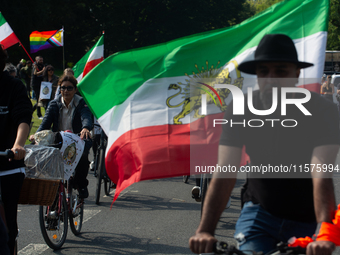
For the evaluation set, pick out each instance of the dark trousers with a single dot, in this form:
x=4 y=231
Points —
x=28 y=87
x=80 y=176
x=79 y=180
x=10 y=190
x=37 y=94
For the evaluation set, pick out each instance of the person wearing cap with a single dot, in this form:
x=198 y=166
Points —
x=275 y=209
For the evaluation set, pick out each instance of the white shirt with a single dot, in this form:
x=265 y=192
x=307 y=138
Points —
x=65 y=118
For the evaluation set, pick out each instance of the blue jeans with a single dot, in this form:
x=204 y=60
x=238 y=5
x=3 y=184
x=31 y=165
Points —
x=258 y=230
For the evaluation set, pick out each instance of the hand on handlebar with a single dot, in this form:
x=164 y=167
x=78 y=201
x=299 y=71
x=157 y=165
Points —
x=31 y=138
x=202 y=242
x=85 y=134
x=320 y=247
x=19 y=152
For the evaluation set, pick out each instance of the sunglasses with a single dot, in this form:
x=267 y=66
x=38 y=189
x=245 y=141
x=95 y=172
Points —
x=50 y=70
x=68 y=88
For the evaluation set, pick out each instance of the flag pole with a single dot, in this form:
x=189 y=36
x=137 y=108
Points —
x=63 y=50
x=26 y=52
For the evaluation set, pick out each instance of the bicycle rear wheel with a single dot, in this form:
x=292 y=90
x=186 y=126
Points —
x=54 y=223
x=186 y=178
x=107 y=185
x=100 y=171
x=204 y=188
x=76 y=213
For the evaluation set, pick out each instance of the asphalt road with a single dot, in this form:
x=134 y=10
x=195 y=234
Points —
x=150 y=217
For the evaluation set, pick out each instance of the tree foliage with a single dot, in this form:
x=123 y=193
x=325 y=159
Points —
x=128 y=24
x=333 y=39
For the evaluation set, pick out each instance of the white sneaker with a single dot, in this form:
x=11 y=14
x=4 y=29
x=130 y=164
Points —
x=92 y=165
x=196 y=193
x=40 y=118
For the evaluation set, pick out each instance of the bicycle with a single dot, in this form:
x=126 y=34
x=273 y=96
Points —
x=282 y=248
x=100 y=170
x=67 y=206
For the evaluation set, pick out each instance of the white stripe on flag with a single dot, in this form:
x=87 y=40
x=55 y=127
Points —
x=5 y=31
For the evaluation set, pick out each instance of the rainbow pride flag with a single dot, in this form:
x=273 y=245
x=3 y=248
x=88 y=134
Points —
x=39 y=40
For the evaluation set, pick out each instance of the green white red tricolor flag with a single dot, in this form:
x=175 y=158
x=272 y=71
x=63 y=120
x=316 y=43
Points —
x=7 y=36
x=92 y=58
x=139 y=96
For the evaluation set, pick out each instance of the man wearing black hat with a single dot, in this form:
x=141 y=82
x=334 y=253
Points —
x=275 y=207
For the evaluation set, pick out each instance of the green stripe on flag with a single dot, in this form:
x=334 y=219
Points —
x=111 y=82
x=2 y=19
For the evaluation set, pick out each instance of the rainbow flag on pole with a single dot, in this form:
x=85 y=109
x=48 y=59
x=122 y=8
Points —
x=45 y=40
x=141 y=99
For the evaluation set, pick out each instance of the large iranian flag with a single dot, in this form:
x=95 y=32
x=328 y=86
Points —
x=7 y=36
x=92 y=58
x=142 y=97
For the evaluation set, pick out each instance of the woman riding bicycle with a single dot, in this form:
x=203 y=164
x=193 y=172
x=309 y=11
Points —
x=69 y=112
x=15 y=118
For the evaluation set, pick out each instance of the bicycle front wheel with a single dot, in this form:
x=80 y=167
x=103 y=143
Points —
x=100 y=171
x=76 y=213
x=53 y=222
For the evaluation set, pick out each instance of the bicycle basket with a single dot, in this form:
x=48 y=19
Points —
x=38 y=192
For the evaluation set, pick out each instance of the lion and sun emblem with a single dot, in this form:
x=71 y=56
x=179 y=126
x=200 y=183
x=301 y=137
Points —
x=192 y=95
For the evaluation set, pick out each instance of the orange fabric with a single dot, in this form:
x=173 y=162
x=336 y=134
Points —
x=302 y=242
x=329 y=232
x=336 y=220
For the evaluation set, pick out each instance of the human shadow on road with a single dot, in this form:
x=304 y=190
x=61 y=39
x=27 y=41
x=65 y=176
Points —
x=110 y=243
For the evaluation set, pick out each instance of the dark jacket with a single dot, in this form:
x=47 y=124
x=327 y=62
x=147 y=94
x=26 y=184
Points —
x=81 y=116
x=15 y=108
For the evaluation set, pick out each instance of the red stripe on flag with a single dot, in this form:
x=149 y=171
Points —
x=90 y=65
x=10 y=40
x=163 y=151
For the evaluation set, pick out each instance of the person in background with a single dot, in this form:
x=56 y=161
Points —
x=327 y=88
x=21 y=64
x=25 y=74
x=37 y=72
x=15 y=118
x=49 y=76
x=11 y=70
x=68 y=71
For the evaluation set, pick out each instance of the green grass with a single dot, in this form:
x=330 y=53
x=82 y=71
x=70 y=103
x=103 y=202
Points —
x=35 y=120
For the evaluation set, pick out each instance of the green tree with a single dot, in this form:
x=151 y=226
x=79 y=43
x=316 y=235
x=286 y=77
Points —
x=128 y=24
x=333 y=38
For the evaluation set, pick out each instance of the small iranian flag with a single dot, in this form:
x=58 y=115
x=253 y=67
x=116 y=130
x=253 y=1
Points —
x=92 y=58
x=7 y=36
x=142 y=97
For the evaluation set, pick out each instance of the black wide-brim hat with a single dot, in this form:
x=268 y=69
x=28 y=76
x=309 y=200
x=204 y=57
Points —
x=273 y=48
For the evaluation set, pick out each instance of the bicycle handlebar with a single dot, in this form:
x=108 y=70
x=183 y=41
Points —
x=8 y=153
x=282 y=248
